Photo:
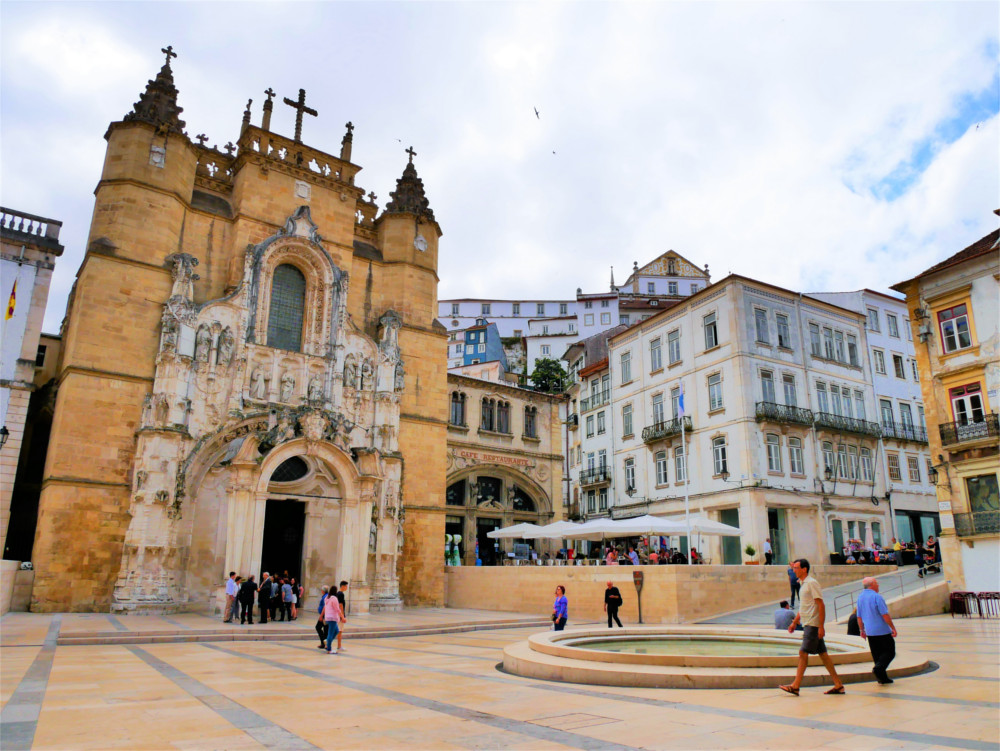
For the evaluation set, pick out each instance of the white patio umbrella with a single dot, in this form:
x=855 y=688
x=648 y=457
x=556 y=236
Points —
x=648 y=525
x=524 y=529
x=703 y=526
x=596 y=529
x=556 y=530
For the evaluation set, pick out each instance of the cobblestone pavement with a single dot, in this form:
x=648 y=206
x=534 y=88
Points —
x=444 y=691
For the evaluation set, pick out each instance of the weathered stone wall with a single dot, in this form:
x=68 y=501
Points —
x=670 y=594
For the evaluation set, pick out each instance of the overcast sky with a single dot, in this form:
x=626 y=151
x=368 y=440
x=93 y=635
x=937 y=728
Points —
x=818 y=146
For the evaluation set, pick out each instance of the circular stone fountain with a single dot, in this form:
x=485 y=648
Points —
x=690 y=657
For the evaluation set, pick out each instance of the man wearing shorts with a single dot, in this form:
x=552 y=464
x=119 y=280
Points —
x=812 y=615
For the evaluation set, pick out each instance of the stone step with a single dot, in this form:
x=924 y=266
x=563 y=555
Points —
x=299 y=634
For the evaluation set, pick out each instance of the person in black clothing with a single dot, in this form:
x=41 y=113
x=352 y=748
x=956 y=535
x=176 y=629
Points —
x=264 y=596
x=612 y=601
x=341 y=595
x=246 y=593
x=853 y=629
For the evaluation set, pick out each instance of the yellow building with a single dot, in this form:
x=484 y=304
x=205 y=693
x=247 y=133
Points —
x=505 y=466
x=955 y=311
x=250 y=376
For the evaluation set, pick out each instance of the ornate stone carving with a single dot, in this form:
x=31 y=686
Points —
x=287 y=387
x=168 y=337
x=203 y=343
x=314 y=425
x=350 y=373
x=388 y=345
x=367 y=375
x=226 y=344
x=316 y=389
x=399 y=378
x=258 y=383
x=184 y=277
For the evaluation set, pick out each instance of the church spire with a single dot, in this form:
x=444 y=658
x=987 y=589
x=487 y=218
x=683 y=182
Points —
x=409 y=193
x=158 y=103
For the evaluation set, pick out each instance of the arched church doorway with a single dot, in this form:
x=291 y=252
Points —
x=284 y=531
x=479 y=503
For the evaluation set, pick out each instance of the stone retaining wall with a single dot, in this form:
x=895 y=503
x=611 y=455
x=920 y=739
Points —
x=670 y=594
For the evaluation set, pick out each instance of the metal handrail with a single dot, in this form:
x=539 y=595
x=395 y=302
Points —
x=904 y=432
x=884 y=591
x=660 y=430
x=956 y=432
x=783 y=413
x=847 y=424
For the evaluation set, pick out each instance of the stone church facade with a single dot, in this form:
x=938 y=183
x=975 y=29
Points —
x=250 y=378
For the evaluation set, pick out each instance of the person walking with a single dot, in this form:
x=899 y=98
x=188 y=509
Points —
x=247 y=591
x=275 y=602
x=768 y=555
x=812 y=614
x=341 y=595
x=231 y=590
x=783 y=616
x=877 y=626
x=560 y=609
x=264 y=596
x=793 y=582
x=320 y=623
x=331 y=616
x=612 y=601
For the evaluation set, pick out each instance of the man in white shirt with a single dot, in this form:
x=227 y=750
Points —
x=231 y=590
x=767 y=551
x=812 y=614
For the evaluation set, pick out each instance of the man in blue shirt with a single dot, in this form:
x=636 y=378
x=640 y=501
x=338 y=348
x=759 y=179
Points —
x=783 y=616
x=877 y=627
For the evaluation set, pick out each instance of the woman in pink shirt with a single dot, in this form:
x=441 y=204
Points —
x=331 y=616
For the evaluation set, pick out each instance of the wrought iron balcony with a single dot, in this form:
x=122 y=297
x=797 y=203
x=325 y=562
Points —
x=847 y=424
x=957 y=432
x=595 y=400
x=573 y=420
x=977 y=523
x=783 y=413
x=660 y=430
x=595 y=476
x=904 y=432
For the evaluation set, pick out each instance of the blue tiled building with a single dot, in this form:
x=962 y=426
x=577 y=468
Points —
x=482 y=344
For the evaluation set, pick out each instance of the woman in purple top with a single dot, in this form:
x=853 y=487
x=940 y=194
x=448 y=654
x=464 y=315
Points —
x=560 y=609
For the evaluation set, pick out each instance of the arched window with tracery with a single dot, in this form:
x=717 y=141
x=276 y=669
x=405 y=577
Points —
x=503 y=417
x=457 y=408
x=287 y=307
x=531 y=422
x=488 y=420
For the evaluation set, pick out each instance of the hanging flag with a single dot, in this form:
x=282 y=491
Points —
x=680 y=402
x=12 y=302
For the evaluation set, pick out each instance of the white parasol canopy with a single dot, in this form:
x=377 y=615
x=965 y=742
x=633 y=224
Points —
x=524 y=529
x=703 y=526
x=595 y=529
x=556 y=530
x=649 y=525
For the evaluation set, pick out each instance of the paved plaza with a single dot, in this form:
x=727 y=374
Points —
x=430 y=679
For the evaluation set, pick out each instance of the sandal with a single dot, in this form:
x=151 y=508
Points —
x=789 y=689
x=836 y=690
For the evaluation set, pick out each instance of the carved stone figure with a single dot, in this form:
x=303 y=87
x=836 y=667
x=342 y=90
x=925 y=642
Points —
x=367 y=375
x=258 y=383
x=400 y=520
x=287 y=386
x=314 y=425
x=162 y=409
x=226 y=344
x=373 y=531
x=202 y=344
x=350 y=373
x=169 y=339
x=390 y=323
x=400 y=377
x=140 y=479
x=316 y=389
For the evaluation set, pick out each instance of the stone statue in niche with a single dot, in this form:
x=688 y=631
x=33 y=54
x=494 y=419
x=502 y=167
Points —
x=389 y=343
x=367 y=375
x=373 y=531
x=169 y=340
x=258 y=383
x=140 y=479
x=202 y=344
x=162 y=409
x=400 y=520
x=316 y=389
x=399 y=378
x=226 y=344
x=350 y=373
x=287 y=386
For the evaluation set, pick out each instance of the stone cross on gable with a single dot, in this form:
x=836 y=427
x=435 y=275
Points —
x=300 y=107
x=372 y=197
x=169 y=52
x=230 y=148
x=270 y=93
x=412 y=154
x=201 y=138
x=350 y=128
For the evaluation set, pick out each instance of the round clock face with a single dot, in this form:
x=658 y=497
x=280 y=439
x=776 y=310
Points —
x=420 y=243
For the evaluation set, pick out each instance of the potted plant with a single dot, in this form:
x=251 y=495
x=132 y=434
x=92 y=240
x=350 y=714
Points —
x=751 y=551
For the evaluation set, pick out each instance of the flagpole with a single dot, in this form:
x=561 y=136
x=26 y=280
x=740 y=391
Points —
x=687 y=479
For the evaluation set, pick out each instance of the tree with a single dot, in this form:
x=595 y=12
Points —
x=548 y=376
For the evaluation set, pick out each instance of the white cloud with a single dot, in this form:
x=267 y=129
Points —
x=729 y=132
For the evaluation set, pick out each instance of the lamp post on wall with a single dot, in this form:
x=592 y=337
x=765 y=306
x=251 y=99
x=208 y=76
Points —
x=4 y=435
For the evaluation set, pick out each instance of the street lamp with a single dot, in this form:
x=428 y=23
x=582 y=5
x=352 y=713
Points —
x=724 y=474
x=4 y=435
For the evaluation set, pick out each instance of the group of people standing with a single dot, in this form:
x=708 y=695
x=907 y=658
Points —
x=278 y=595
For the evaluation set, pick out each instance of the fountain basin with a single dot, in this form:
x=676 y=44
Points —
x=690 y=657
